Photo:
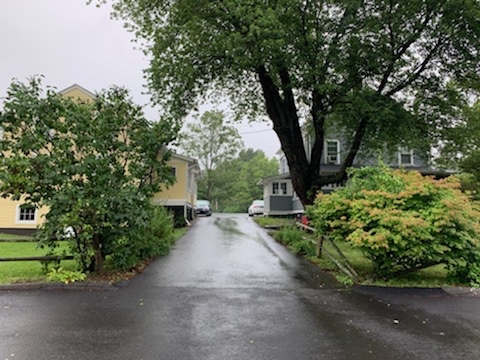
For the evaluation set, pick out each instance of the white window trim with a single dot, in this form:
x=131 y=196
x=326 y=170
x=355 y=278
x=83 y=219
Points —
x=280 y=190
x=1 y=133
x=405 y=152
x=273 y=187
x=26 y=222
x=283 y=165
x=326 y=155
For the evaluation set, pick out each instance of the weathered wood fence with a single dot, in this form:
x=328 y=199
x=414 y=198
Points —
x=32 y=258
x=343 y=264
x=37 y=258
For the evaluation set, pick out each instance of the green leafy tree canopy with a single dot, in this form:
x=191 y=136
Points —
x=376 y=69
x=236 y=181
x=211 y=141
x=93 y=164
x=460 y=148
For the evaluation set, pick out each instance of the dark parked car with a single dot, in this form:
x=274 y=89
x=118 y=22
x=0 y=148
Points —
x=203 y=207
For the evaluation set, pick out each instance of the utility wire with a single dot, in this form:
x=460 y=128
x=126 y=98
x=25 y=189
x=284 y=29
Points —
x=254 y=132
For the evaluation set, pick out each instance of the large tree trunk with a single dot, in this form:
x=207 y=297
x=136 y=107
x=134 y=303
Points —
x=283 y=113
x=282 y=110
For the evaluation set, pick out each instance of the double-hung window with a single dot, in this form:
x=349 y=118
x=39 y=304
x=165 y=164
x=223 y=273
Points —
x=332 y=152
x=279 y=188
x=26 y=214
x=405 y=157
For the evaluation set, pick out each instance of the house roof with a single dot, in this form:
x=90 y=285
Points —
x=193 y=163
x=76 y=87
x=183 y=157
x=283 y=176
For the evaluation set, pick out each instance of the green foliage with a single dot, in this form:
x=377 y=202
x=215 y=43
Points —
x=211 y=141
x=470 y=185
x=236 y=181
x=461 y=146
x=322 y=45
x=468 y=146
x=154 y=239
x=94 y=164
x=403 y=221
x=12 y=238
x=344 y=279
x=375 y=69
x=274 y=221
x=295 y=240
x=66 y=276
x=28 y=271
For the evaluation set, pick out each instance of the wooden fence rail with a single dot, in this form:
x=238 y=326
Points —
x=37 y=258
x=343 y=265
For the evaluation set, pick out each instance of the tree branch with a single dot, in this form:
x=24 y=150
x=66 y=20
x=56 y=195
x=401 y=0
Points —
x=402 y=49
x=418 y=70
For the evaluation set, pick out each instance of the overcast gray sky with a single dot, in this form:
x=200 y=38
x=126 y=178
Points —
x=70 y=42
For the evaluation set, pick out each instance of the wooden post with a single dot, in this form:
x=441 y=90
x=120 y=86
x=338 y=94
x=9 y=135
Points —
x=98 y=253
x=319 y=247
x=347 y=263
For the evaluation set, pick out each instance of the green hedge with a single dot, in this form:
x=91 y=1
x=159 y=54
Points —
x=152 y=240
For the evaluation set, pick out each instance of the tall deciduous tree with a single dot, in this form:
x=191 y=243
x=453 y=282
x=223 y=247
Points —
x=461 y=147
x=93 y=164
x=375 y=69
x=236 y=181
x=211 y=141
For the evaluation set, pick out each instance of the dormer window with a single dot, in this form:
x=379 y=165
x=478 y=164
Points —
x=283 y=165
x=405 y=157
x=332 y=152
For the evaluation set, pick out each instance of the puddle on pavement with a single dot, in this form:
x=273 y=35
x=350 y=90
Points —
x=228 y=226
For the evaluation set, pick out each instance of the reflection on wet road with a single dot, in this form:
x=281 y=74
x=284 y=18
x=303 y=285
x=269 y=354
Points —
x=228 y=291
x=231 y=251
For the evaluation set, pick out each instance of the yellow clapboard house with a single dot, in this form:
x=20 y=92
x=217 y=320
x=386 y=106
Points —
x=180 y=197
x=16 y=218
x=19 y=220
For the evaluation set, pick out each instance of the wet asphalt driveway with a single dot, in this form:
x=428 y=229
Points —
x=228 y=291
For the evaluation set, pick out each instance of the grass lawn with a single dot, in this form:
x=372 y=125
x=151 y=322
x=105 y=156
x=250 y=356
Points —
x=274 y=221
x=33 y=271
x=10 y=237
x=434 y=276
x=22 y=271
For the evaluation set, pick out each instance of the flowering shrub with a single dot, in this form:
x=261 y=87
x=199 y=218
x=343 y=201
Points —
x=403 y=221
